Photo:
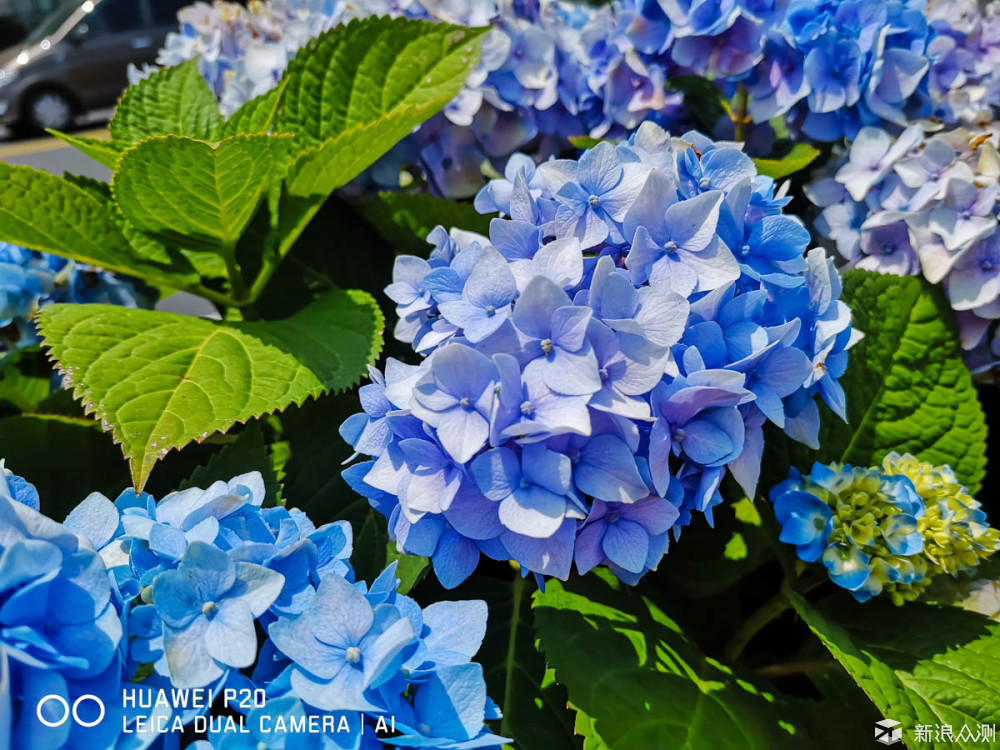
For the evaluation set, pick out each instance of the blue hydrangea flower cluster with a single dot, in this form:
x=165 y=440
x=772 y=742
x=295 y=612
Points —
x=60 y=628
x=552 y=69
x=149 y=595
x=921 y=204
x=890 y=529
x=835 y=67
x=29 y=280
x=596 y=366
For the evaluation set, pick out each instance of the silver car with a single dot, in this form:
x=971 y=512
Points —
x=76 y=60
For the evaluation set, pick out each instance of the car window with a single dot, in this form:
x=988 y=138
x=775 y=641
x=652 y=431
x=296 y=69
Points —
x=116 y=17
x=165 y=11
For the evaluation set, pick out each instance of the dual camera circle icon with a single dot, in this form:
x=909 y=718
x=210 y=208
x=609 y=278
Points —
x=68 y=710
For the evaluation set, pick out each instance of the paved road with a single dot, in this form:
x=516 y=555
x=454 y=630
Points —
x=54 y=156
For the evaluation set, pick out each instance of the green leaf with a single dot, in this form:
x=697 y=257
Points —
x=584 y=141
x=255 y=116
x=368 y=558
x=410 y=569
x=800 y=157
x=375 y=69
x=159 y=381
x=907 y=388
x=88 y=460
x=25 y=380
x=194 y=194
x=174 y=101
x=646 y=684
x=372 y=81
x=584 y=727
x=101 y=150
x=919 y=664
x=246 y=453
x=405 y=220
x=73 y=219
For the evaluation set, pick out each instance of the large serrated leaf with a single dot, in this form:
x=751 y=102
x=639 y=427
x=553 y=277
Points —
x=356 y=91
x=192 y=193
x=172 y=101
x=920 y=664
x=72 y=218
x=365 y=70
x=907 y=387
x=159 y=381
x=643 y=683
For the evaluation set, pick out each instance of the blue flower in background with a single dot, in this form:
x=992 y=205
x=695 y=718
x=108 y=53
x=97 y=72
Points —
x=921 y=204
x=30 y=280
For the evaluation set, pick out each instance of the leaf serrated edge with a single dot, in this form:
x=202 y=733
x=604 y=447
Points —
x=141 y=476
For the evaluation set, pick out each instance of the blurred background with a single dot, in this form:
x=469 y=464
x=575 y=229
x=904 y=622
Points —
x=63 y=65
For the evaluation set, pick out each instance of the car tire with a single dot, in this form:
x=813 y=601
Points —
x=47 y=109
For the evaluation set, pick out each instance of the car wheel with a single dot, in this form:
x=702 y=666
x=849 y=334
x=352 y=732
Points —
x=48 y=110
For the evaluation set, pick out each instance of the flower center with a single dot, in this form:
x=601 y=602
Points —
x=352 y=655
x=546 y=345
x=209 y=609
x=603 y=372
x=525 y=483
x=704 y=183
x=888 y=249
x=745 y=250
x=594 y=201
x=424 y=728
x=146 y=595
x=671 y=247
x=612 y=516
x=679 y=436
x=490 y=310
x=466 y=402
x=988 y=264
x=527 y=408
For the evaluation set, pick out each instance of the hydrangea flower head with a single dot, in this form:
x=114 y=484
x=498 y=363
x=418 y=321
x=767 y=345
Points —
x=60 y=626
x=663 y=308
x=889 y=529
x=332 y=647
x=922 y=204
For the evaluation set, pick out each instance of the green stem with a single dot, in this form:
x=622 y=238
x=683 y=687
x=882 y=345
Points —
x=515 y=621
x=769 y=610
x=806 y=666
x=740 y=118
x=241 y=293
